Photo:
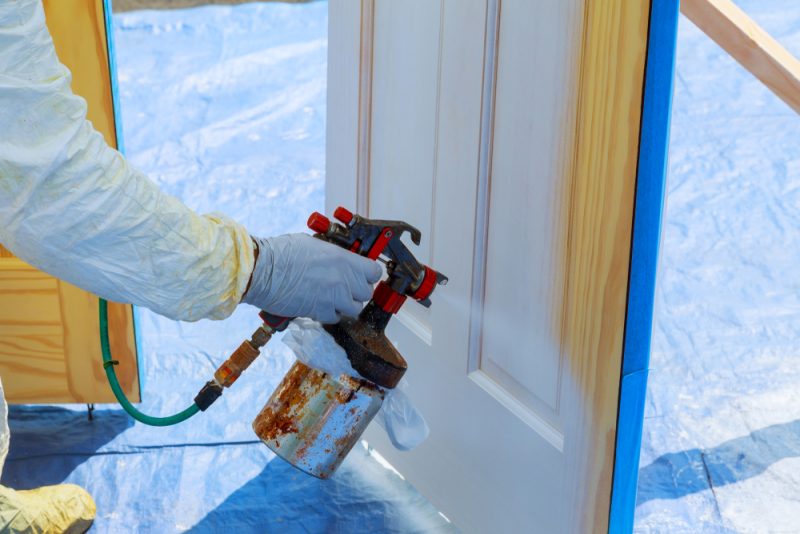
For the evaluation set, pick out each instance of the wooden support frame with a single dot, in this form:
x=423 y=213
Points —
x=749 y=44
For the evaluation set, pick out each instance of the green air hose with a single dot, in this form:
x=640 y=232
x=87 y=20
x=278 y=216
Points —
x=108 y=365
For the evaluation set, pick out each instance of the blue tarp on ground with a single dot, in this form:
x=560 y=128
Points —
x=721 y=444
x=224 y=108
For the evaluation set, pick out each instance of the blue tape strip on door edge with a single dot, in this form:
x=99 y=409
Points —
x=649 y=201
x=112 y=71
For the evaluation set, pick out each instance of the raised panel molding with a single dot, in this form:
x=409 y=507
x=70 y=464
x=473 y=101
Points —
x=519 y=255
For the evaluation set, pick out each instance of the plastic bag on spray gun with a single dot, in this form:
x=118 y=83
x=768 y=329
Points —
x=313 y=346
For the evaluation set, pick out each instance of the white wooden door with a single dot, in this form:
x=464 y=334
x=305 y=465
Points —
x=507 y=131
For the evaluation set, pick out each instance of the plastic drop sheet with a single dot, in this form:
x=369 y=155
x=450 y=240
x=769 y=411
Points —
x=225 y=108
x=721 y=443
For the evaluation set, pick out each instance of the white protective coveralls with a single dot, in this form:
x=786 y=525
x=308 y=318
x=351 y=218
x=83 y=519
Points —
x=73 y=207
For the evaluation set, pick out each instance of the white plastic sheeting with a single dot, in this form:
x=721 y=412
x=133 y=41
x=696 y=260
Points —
x=721 y=446
x=311 y=344
x=224 y=107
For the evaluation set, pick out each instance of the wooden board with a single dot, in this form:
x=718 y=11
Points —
x=49 y=329
x=749 y=44
x=508 y=132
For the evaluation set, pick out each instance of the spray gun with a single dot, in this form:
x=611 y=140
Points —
x=363 y=339
x=369 y=351
x=312 y=420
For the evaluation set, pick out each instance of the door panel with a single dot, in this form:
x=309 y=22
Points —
x=49 y=329
x=507 y=131
x=525 y=241
x=394 y=93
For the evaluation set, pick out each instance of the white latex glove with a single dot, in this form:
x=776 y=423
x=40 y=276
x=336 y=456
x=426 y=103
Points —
x=297 y=275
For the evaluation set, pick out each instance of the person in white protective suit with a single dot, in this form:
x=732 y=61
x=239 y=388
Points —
x=73 y=207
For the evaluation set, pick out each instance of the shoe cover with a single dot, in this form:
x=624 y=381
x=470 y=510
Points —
x=73 y=207
x=65 y=508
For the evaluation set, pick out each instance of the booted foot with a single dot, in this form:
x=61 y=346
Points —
x=63 y=508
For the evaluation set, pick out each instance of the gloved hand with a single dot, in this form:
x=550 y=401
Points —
x=297 y=275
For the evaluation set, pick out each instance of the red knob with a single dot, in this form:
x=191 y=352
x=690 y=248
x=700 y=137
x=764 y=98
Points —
x=343 y=214
x=428 y=284
x=319 y=223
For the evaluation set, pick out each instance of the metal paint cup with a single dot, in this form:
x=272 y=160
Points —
x=313 y=419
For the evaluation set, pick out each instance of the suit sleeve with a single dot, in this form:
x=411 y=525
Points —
x=73 y=207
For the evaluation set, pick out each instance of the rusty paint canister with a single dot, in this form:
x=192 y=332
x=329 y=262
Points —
x=313 y=419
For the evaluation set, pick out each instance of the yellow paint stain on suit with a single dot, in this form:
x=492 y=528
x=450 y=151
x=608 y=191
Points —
x=49 y=329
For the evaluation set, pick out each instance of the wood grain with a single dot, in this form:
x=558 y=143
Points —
x=81 y=324
x=749 y=44
x=49 y=330
x=32 y=361
x=599 y=242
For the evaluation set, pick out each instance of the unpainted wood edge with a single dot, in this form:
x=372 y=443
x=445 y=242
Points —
x=86 y=378
x=611 y=81
x=11 y=263
x=73 y=306
x=123 y=348
x=757 y=51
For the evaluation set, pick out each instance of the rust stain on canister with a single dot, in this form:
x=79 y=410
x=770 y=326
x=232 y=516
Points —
x=312 y=420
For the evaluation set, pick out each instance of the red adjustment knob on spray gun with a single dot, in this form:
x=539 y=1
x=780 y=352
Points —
x=387 y=298
x=343 y=214
x=319 y=223
x=427 y=285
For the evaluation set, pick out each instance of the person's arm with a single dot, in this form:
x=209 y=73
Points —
x=73 y=207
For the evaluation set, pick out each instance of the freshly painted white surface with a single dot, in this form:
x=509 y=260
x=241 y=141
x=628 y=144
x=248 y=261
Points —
x=470 y=124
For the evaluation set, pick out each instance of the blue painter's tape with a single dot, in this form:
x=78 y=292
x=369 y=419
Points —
x=112 y=69
x=140 y=355
x=631 y=409
x=650 y=185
